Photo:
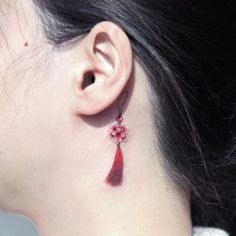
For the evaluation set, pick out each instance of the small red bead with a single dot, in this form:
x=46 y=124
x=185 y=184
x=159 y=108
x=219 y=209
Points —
x=119 y=119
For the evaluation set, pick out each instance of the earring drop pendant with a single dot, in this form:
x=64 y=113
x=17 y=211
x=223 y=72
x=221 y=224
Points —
x=117 y=134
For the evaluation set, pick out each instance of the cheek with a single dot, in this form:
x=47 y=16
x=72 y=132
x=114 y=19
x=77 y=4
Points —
x=31 y=124
x=32 y=119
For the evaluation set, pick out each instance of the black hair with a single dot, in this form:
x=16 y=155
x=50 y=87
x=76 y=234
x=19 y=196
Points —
x=187 y=48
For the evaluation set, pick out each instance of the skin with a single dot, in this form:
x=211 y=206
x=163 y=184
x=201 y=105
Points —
x=54 y=151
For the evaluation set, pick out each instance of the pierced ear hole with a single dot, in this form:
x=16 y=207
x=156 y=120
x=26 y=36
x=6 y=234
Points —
x=89 y=79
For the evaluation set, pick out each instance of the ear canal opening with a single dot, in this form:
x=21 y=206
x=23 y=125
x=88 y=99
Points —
x=89 y=79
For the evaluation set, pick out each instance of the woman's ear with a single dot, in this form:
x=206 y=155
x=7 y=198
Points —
x=103 y=70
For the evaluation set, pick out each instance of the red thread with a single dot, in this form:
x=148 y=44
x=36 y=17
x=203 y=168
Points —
x=115 y=176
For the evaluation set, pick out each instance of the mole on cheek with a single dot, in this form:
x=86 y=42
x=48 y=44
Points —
x=26 y=44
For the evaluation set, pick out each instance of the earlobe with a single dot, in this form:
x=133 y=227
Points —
x=107 y=66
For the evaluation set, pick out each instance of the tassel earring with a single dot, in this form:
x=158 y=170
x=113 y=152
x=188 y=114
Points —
x=118 y=134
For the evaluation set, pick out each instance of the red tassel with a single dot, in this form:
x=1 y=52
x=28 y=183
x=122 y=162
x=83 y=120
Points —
x=115 y=176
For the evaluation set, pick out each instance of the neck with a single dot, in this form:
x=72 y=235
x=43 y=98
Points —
x=143 y=212
x=75 y=200
x=142 y=206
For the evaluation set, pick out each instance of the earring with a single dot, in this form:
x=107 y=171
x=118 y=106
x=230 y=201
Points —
x=118 y=134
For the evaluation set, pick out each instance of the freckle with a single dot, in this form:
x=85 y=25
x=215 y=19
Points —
x=26 y=44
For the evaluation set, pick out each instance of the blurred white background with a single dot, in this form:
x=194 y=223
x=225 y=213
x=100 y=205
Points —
x=16 y=225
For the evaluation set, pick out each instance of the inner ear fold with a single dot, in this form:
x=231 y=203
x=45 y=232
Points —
x=105 y=53
x=101 y=48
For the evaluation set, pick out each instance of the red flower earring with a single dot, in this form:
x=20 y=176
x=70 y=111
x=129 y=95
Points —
x=118 y=134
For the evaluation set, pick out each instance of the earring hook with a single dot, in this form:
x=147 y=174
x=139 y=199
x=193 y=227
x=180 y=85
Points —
x=121 y=105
